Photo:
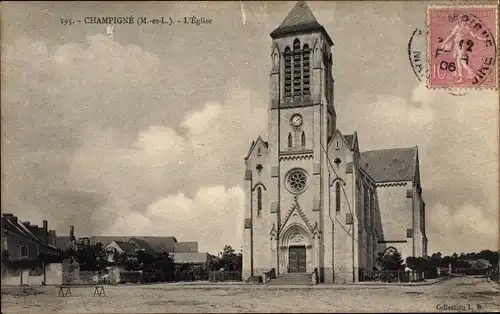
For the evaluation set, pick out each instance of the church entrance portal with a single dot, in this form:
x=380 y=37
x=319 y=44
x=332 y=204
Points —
x=297 y=259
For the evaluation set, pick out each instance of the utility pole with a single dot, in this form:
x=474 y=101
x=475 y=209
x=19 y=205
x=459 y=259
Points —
x=46 y=242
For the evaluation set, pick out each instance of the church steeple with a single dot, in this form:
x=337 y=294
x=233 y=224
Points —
x=299 y=20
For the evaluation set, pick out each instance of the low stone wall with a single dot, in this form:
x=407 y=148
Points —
x=53 y=275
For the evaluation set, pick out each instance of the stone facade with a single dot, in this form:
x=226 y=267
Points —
x=313 y=200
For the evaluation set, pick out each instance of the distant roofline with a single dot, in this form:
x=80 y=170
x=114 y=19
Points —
x=386 y=149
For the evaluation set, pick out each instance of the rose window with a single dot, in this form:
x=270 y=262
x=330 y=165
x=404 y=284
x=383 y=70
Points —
x=297 y=181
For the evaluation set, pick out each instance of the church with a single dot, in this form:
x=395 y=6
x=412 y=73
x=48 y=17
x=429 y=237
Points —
x=315 y=202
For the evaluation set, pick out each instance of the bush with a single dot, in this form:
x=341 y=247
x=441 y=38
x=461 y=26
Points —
x=130 y=276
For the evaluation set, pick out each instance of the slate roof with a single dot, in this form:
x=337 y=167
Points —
x=166 y=244
x=252 y=146
x=349 y=138
x=10 y=227
x=186 y=247
x=190 y=258
x=127 y=247
x=390 y=165
x=142 y=244
x=300 y=19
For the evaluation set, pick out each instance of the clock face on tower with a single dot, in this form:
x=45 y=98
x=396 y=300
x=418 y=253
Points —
x=296 y=120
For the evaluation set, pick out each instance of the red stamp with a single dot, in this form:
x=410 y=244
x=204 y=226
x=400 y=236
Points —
x=461 y=46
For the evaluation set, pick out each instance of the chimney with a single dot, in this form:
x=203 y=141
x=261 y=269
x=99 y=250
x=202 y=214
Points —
x=14 y=220
x=71 y=233
x=26 y=223
x=46 y=231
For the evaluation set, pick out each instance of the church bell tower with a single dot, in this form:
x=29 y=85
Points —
x=293 y=163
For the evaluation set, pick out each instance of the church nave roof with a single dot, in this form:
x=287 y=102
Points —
x=390 y=165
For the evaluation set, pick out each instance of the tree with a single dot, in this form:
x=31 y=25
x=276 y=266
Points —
x=229 y=260
x=417 y=264
x=390 y=260
x=90 y=257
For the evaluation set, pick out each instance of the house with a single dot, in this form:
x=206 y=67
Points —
x=129 y=245
x=128 y=249
x=23 y=241
x=22 y=244
x=200 y=259
x=191 y=266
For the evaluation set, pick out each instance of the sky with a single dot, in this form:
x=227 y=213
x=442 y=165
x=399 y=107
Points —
x=145 y=133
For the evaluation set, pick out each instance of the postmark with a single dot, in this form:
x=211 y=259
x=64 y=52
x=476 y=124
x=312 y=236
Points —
x=462 y=50
x=417 y=55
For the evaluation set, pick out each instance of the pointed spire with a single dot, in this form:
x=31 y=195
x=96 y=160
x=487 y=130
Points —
x=300 y=19
x=300 y=15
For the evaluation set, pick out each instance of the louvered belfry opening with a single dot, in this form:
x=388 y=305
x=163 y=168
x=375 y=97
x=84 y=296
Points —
x=306 y=70
x=288 y=72
x=297 y=70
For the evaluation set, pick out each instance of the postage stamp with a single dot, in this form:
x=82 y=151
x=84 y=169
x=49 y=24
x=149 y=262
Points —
x=462 y=48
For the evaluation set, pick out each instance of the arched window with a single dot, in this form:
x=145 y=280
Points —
x=297 y=69
x=288 y=72
x=259 y=200
x=306 y=70
x=337 y=196
x=303 y=139
x=289 y=140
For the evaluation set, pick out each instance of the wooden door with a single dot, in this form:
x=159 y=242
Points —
x=297 y=259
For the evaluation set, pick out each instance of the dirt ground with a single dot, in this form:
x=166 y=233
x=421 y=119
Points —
x=465 y=294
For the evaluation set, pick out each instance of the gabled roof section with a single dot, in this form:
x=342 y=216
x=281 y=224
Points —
x=127 y=247
x=390 y=165
x=296 y=207
x=349 y=139
x=254 y=143
x=352 y=140
x=20 y=229
x=186 y=247
x=150 y=243
x=155 y=244
x=299 y=20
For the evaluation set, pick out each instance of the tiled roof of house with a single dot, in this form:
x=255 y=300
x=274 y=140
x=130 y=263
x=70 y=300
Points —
x=127 y=247
x=105 y=240
x=190 y=258
x=156 y=244
x=10 y=226
x=186 y=247
x=300 y=19
x=166 y=244
x=390 y=165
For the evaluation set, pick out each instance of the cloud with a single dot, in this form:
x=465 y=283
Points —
x=458 y=143
x=100 y=135
x=462 y=229
x=214 y=217
x=72 y=115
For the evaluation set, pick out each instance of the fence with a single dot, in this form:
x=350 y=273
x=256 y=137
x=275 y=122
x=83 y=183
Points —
x=218 y=275
x=391 y=276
